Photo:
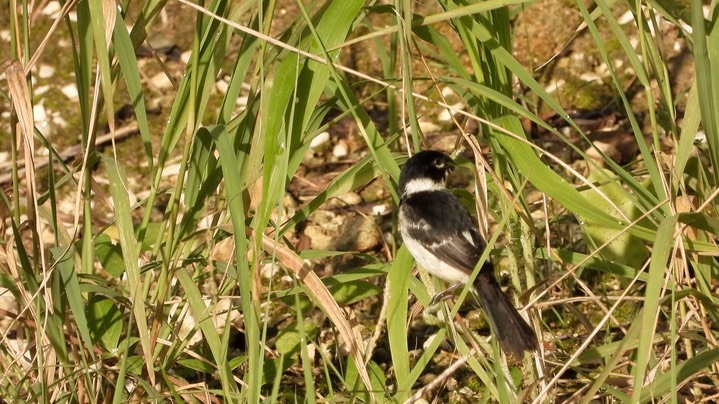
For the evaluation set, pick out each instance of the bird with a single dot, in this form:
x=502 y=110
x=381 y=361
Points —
x=444 y=239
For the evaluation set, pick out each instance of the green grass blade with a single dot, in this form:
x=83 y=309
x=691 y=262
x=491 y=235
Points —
x=130 y=255
x=131 y=73
x=233 y=189
x=663 y=247
x=397 y=321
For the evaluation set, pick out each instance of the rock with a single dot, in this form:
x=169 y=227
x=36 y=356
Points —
x=221 y=86
x=52 y=8
x=70 y=91
x=318 y=140
x=349 y=231
x=45 y=71
x=605 y=148
x=161 y=81
x=340 y=150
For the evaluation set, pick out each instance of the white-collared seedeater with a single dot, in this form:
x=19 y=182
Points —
x=441 y=235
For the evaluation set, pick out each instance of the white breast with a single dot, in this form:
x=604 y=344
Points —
x=432 y=264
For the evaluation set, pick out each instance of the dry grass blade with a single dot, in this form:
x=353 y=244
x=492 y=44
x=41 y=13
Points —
x=22 y=104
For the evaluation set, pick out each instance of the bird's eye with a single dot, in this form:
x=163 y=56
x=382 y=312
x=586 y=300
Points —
x=439 y=163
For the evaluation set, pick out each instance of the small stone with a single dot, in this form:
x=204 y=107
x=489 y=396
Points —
x=606 y=148
x=346 y=232
x=319 y=140
x=626 y=18
x=185 y=56
x=58 y=120
x=340 y=150
x=448 y=92
x=379 y=210
x=466 y=391
x=45 y=71
x=350 y=198
x=555 y=85
x=578 y=56
x=221 y=86
x=428 y=127
x=38 y=112
x=52 y=8
x=268 y=271
x=161 y=81
x=40 y=90
x=589 y=77
x=446 y=114
x=602 y=70
x=70 y=91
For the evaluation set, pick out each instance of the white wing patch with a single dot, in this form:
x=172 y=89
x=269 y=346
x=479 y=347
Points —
x=468 y=236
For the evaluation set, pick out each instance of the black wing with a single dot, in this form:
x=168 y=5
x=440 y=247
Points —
x=444 y=227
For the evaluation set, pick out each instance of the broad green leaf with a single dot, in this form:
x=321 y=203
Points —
x=104 y=321
x=623 y=247
x=110 y=255
x=290 y=339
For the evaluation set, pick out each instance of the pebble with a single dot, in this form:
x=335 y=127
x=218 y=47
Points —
x=40 y=90
x=70 y=91
x=555 y=85
x=446 y=114
x=38 y=112
x=320 y=139
x=268 y=271
x=606 y=148
x=626 y=18
x=589 y=77
x=447 y=91
x=602 y=70
x=161 y=81
x=222 y=86
x=52 y=8
x=428 y=127
x=185 y=56
x=45 y=71
x=350 y=198
x=379 y=210
x=58 y=120
x=340 y=150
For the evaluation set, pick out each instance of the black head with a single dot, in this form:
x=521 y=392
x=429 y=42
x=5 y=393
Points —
x=425 y=171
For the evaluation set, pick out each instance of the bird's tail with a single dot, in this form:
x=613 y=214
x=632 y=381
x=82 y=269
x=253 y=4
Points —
x=514 y=334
